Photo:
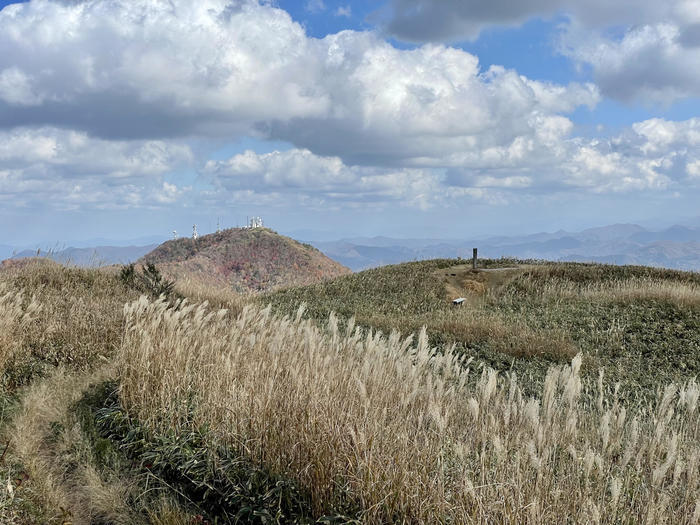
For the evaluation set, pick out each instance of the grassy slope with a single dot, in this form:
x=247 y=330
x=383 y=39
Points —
x=537 y=317
x=245 y=259
x=640 y=324
x=386 y=432
x=59 y=330
x=78 y=327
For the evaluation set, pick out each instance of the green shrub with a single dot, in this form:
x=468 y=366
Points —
x=149 y=281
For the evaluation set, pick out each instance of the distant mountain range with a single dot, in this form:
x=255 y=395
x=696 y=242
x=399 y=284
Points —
x=96 y=256
x=675 y=247
x=6 y=252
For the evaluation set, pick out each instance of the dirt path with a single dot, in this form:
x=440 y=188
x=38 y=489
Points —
x=463 y=281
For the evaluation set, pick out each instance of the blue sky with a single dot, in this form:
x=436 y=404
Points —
x=407 y=118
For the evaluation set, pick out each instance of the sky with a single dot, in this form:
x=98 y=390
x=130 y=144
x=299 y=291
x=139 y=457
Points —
x=122 y=119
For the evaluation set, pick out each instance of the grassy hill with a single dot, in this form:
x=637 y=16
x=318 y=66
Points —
x=639 y=325
x=244 y=259
x=116 y=407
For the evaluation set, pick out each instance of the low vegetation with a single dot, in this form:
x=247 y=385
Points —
x=148 y=281
x=55 y=320
x=640 y=325
x=557 y=393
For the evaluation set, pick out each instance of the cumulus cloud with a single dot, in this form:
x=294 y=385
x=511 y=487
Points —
x=323 y=180
x=142 y=68
x=658 y=62
x=452 y=20
x=16 y=88
x=159 y=69
x=394 y=106
x=67 y=169
x=370 y=124
x=638 y=50
x=654 y=155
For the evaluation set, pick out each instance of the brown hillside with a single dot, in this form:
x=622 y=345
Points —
x=244 y=259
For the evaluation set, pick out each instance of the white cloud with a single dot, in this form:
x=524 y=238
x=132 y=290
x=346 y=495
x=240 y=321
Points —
x=70 y=170
x=143 y=68
x=67 y=169
x=693 y=169
x=652 y=156
x=638 y=49
x=345 y=11
x=322 y=180
x=451 y=20
x=371 y=124
x=392 y=106
x=653 y=62
x=315 y=6
x=16 y=88
x=158 y=69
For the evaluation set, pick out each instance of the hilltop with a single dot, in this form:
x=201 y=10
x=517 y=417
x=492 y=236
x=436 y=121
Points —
x=639 y=325
x=244 y=259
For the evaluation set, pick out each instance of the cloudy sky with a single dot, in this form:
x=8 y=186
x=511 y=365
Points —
x=409 y=118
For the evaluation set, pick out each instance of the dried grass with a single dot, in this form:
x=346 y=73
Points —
x=47 y=439
x=398 y=431
x=217 y=296
x=17 y=312
x=621 y=290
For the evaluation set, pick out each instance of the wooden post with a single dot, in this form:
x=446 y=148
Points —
x=474 y=259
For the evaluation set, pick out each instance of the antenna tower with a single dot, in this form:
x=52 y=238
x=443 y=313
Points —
x=195 y=235
x=174 y=234
x=255 y=222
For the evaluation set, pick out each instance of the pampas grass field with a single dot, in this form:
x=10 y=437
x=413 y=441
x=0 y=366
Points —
x=123 y=407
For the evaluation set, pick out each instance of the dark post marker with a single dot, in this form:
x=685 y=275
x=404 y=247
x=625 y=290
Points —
x=474 y=259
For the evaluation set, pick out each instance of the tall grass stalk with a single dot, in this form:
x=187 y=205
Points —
x=389 y=427
x=621 y=290
x=16 y=313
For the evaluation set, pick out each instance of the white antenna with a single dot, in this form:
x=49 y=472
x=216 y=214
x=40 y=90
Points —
x=255 y=222
x=218 y=225
x=195 y=235
x=174 y=234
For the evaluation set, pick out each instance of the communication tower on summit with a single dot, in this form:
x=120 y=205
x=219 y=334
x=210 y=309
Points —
x=255 y=222
x=195 y=235
x=174 y=235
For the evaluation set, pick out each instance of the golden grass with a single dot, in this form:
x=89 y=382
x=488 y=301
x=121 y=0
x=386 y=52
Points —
x=472 y=324
x=51 y=316
x=395 y=430
x=217 y=296
x=59 y=462
x=81 y=312
x=47 y=439
x=17 y=312
x=622 y=290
